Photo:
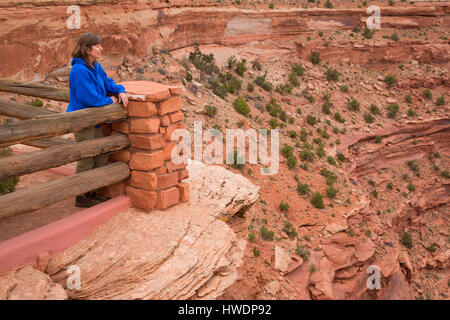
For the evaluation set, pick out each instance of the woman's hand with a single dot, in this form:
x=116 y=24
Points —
x=123 y=98
x=114 y=99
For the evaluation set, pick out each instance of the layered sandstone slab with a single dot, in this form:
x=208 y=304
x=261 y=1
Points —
x=186 y=251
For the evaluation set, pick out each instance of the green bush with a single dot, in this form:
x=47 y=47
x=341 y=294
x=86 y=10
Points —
x=390 y=79
x=392 y=110
x=250 y=87
x=328 y=4
x=37 y=103
x=265 y=233
x=331 y=160
x=289 y=229
x=445 y=173
x=251 y=237
x=395 y=37
x=390 y=186
x=369 y=118
x=317 y=200
x=315 y=57
x=284 y=206
x=368 y=34
x=7 y=185
x=331 y=192
x=406 y=240
x=210 y=111
x=326 y=107
x=293 y=79
x=377 y=139
x=374 y=109
x=302 y=252
x=311 y=120
x=339 y=118
x=241 y=106
x=408 y=99
x=189 y=76
x=261 y=82
x=432 y=248
x=256 y=252
x=303 y=188
x=427 y=94
x=411 y=187
x=340 y=156
x=353 y=105
x=344 y=88
x=440 y=101
x=298 y=70
x=241 y=68
x=332 y=74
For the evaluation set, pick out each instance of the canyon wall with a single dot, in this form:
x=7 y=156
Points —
x=35 y=39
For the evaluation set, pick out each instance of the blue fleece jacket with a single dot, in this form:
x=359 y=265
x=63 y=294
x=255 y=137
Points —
x=89 y=86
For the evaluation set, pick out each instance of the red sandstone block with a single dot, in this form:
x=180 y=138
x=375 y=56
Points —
x=162 y=130
x=120 y=156
x=144 y=180
x=165 y=121
x=161 y=170
x=144 y=125
x=146 y=90
x=122 y=127
x=174 y=90
x=171 y=129
x=184 y=174
x=167 y=180
x=147 y=141
x=112 y=191
x=170 y=105
x=168 y=150
x=142 y=199
x=172 y=166
x=183 y=187
x=146 y=160
x=168 y=198
x=177 y=116
x=141 y=109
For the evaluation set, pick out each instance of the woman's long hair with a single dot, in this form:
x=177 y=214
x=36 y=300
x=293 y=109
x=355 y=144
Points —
x=85 y=42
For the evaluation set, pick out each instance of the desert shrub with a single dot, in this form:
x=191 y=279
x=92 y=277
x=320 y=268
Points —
x=307 y=155
x=411 y=187
x=203 y=62
x=377 y=139
x=256 y=252
x=408 y=99
x=328 y=4
x=293 y=79
x=369 y=118
x=331 y=160
x=298 y=70
x=338 y=117
x=302 y=252
x=440 y=101
x=241 y=68
x=250 y=87
x=261 y=81
x=320 y=151
x=368 y=33
x=241 y=106
x=311 y=120
x=317 y=200
x=289 y=229
x=445 y=173
x=374 y=109
x=392 y=110
x=340 y=156
x=411 y=113
x=331 y=192
x=265 y=233
x=326 y=107
x=390 y=79
x=303 y=188
x=395 y=37
x=390 y=186
x=432 y=248
x=210 y=111
x=251 y=237
x=273 y=123
x=332 y=74
x=353 y=105
x=427 y=94
x=303 y=134
x=315 y=57
x=37 y=103
x=7 y=185
x=406 y=240
x=284 y=206
x=344 y=88
x=189 y=76
x=292 y=134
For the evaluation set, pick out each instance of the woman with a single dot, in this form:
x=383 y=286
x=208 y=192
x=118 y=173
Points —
x=89 y=86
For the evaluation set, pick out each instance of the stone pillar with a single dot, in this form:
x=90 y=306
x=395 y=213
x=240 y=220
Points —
x=153 y=114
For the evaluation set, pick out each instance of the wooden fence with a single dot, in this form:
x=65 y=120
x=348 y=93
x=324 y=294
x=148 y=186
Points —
x=40 y=128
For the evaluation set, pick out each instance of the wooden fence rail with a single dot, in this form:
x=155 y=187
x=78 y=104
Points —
x=34 y=90
x=33 y=198
x=56 y=156
x=60 y=123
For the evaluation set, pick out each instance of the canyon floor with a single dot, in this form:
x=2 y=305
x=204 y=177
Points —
x=364 y=128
